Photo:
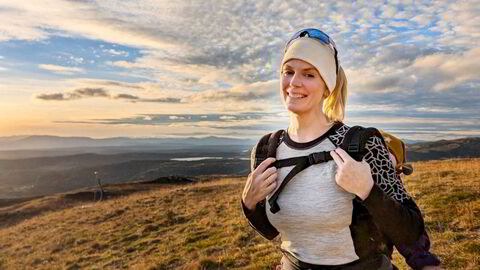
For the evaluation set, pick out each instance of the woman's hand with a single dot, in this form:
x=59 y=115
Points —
x=353 y=176
x=260 y=183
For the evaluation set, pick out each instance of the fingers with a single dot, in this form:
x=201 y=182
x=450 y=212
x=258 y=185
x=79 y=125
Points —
x=268 y=172
x=270 y=183
x=336 y=158
x=271 y=179
x=264 y=165
x=344 y=155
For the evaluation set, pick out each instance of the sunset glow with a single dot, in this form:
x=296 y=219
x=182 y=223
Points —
x=154 y=69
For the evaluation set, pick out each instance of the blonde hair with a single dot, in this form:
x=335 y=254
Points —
x=335 y=102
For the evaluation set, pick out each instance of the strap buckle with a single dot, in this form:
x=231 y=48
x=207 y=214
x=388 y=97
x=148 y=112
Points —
x=318 y=157
x=274 y=207
x=353 y=147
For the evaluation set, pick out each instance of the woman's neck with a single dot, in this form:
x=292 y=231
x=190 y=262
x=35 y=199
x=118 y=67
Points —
x=307 y=127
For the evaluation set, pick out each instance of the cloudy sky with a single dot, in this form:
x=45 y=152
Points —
x=211 y=67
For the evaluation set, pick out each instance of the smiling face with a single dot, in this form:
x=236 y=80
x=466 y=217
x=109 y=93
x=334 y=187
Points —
x=302 y=87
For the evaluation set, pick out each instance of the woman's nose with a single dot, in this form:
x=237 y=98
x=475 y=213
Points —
x=296 y=80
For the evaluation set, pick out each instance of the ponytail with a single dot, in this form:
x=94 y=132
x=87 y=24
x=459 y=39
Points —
x=334 y=104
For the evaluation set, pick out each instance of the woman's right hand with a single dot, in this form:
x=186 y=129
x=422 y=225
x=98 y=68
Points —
x=260 y=183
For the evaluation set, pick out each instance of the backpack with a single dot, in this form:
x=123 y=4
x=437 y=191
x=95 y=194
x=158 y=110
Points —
x=354 y=143
x=398 y=149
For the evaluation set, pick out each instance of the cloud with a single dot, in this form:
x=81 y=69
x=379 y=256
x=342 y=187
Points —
x=161 y=100
x=168 y=119
x=110 y=83
x=249 y=126
x=88 y=19
x=76 y=94
x=442 y=79
x=463 y=18
x=55 y=96
x=451 y=70
x=61 y=69
x=90 y=92
x=398 y=56
x=99 y=92
x=241 y=93
x=207 y=54
x=76 y=60
x=115 y=52
x=126 y=96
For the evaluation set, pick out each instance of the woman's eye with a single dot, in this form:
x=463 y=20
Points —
x=310 y=75
x=287 y=72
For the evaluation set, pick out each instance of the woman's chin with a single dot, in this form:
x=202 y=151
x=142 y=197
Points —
x=293 y=108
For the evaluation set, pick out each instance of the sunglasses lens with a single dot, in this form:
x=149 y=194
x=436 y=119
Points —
x=312 y=33
x=319 y=35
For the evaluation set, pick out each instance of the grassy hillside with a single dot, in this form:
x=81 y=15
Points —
x=200 y=226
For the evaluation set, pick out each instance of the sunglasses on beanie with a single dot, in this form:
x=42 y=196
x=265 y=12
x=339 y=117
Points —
x=318 y=35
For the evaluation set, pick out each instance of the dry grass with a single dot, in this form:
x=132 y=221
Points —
x=448 y=193
x=201 y=226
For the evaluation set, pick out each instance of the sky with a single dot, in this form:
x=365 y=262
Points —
x=211 y=67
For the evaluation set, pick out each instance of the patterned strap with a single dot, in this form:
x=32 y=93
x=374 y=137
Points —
x=376 y=155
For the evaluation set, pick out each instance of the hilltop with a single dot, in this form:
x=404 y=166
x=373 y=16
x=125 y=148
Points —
x=199 y=225
x=444 y=149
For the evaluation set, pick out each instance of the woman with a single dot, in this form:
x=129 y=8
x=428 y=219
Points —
x=341 y=214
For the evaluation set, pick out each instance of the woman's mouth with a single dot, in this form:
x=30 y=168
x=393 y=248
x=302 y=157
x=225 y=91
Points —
x=296 y=96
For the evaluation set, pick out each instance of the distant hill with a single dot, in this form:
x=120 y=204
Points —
x=444 y=149
x=37 y=142
x=408 y=141
x=48 y=175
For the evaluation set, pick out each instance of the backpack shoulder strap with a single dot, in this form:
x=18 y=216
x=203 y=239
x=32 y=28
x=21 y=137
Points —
x=266 y=147
x=356 y=139
x=273 y=143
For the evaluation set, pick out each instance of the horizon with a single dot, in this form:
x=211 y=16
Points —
x=106 y=69
x=195 y=137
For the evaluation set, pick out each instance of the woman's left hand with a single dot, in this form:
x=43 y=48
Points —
x=353 y=176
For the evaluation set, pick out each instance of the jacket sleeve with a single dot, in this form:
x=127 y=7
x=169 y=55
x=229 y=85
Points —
x=259 y=221
x=257 y=218
x=392 y=209
x=418 y=256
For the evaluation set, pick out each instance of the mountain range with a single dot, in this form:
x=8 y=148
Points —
x=444 y=149
x=55 y=142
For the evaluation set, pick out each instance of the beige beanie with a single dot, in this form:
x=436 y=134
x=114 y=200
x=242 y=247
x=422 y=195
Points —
x=321 y=56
